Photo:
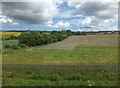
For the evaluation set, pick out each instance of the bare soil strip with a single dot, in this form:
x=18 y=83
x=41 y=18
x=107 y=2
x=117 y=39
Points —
x=68 y=44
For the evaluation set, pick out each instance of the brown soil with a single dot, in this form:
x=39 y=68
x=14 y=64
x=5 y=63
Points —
x=69 y=43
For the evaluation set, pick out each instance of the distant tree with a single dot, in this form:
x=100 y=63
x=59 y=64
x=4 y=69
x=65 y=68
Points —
x=69 y=32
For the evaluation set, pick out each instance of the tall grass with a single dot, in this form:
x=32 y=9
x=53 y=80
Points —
x=46 y=76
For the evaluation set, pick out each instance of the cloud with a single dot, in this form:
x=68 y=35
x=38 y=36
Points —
x=73 y=3
x=87 y=14
x=84 y=22
x=100 y=15
x=4 y=19
x=61 y=24
x=102 y=10
x=58 y=2
x=31 y=12
x=93 y=24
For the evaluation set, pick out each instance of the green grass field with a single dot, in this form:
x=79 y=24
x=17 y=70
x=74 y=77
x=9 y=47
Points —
x=24 y=75
x=80 y=55
x=10 y=42
x=89 y=51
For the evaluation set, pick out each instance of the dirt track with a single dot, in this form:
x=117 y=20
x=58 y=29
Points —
x=91 y=40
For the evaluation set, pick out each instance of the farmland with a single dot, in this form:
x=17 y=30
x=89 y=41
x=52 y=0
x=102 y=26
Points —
x=6 y=35
x=52 y=63
x=81 y=52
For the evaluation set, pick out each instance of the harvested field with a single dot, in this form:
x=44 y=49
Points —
x=68 y=43
x=89 y=40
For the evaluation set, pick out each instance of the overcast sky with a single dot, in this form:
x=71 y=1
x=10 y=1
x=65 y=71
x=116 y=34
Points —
x=77 y=15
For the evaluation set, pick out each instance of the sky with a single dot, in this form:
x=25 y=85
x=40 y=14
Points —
x=48 y=15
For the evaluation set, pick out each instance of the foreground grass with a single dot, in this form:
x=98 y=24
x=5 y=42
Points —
x=59 y=76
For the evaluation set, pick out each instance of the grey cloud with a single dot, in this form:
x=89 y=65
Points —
x=102 y=10
x=29 y=12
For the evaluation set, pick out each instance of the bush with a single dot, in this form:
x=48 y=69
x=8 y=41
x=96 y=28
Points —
x=30 y=38
x=54 y=38
x=22 y=45
x=15 y=47
x=34 y=38
x=7 y=46
x=59 y=36
x=13 y=37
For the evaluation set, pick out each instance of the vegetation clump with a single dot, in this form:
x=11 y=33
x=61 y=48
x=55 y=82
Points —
x=22 y=45
x=15 y=46
x=35 y=38
x=6 y=45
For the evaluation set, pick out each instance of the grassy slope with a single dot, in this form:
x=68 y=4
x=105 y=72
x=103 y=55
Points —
x=83 y=54
x=88 y=52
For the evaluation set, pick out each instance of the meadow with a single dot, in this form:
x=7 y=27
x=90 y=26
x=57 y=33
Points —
x=65 y=63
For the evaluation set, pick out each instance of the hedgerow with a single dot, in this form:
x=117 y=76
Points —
x=35 y=38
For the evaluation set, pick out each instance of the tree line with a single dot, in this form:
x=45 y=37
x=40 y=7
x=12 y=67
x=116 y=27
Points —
x=35 y=38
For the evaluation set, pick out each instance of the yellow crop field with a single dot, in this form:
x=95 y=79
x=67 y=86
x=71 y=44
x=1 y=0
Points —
x=5 y=35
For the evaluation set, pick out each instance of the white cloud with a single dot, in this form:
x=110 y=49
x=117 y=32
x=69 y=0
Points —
x=49 y=23
x=9 y=20
x=84 y=22
x=102 y=15
x=61 y=24
x=58 y=2
x=73 y=3
x=5 y=20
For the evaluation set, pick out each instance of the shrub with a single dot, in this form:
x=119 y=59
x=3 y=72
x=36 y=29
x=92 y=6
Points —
x=22 y=45
x=15 y=46
x=54 y=38
x=13 y=37
x=6 y=45
x=44 y=39
x=59 y=36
